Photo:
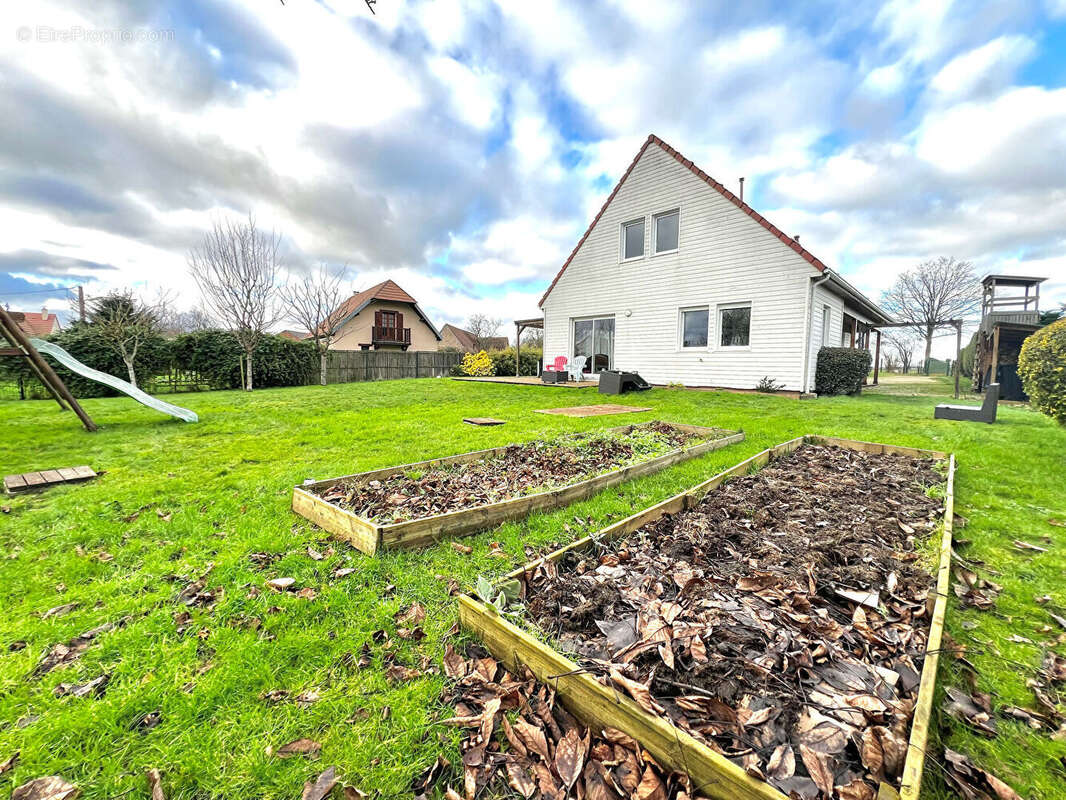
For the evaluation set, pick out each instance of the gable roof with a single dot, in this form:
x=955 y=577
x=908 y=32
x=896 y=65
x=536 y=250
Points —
x=718 y=187
x=469 y=341
x=35 y=323
x=389 y=291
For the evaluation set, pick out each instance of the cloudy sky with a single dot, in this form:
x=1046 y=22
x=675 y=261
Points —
x=461 y=148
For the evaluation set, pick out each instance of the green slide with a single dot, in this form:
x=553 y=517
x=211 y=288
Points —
x=71 y=363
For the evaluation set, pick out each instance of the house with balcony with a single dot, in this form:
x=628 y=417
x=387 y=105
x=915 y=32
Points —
x=383 y=317
x=679 y=279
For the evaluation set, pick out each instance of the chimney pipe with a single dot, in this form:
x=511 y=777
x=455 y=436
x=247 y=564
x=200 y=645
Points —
x=796 y=238
x=742 y=190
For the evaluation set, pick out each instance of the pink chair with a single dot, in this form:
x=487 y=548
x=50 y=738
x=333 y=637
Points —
x=560 y=364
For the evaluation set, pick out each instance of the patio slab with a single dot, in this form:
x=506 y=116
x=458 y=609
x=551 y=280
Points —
x=599 y=410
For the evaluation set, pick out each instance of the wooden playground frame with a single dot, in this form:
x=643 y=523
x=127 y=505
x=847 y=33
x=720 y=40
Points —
x=21 y=347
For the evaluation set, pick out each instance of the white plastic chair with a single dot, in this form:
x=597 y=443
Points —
x=576 y=367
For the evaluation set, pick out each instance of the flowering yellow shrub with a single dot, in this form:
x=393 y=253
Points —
x=477 y=365
x=1042 y=368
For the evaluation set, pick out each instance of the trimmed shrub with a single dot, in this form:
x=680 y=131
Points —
x=841 y=370
x=477 y=365
x=503 y=361
x=217 y=356
x=1042 y=368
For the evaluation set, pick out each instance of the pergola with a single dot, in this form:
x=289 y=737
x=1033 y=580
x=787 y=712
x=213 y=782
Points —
x=537 y=324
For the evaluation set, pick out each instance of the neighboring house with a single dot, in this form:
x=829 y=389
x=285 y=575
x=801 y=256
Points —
x=467 y=342
x=384 y=317
x=296 y=336
x=41 y=324
x=680 y=280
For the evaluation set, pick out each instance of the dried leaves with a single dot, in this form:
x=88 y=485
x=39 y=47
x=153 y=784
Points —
x=51 y=788
x=519 y=470
x=972 y=782
x=782 y=621
x=518 y=737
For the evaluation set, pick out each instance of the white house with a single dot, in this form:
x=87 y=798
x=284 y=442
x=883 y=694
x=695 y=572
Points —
x=680 y=280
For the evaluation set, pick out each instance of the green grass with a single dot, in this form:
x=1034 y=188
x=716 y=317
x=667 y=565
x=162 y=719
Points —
x=226 y=483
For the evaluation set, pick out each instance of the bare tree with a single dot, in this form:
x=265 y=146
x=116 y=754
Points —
x=933 y=293
x=311 y=301
x=236 y=267
x=484 y=328
x=534 y=337
x=125 y=322
x=902 y=342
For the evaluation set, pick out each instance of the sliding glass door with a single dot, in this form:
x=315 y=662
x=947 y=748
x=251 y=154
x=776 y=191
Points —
x=594 y=339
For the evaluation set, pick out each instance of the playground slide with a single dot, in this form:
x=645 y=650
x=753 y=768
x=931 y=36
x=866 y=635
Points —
x=71 y=363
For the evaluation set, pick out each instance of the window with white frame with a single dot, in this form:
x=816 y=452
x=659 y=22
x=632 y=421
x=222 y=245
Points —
x=694 y=322
x=827 y=322
x=734 y=325
x=665 y=231
x=633 y=239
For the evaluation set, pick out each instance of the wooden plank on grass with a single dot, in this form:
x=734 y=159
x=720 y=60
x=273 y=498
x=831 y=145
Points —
x=599 y=707
x=28 y=481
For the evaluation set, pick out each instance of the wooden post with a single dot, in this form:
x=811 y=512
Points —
x=958 y=354
x=854 y=328
x=992 y=378
x=49 y=377
x=517 y=349
x=81 y=303
x=877 y=357
x=37 y=372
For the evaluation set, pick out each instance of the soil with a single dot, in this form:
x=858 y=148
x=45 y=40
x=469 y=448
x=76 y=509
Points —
x=519 y=470
x=782 y=621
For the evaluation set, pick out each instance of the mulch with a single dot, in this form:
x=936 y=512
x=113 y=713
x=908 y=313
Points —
x=600 y=410
x=782 y=621
x=520 y=469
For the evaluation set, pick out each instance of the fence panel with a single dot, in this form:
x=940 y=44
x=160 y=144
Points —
x=351 y=366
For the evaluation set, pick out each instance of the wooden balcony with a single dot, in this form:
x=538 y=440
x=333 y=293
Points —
x=387 y=335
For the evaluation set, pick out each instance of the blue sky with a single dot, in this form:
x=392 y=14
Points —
x=462 y=147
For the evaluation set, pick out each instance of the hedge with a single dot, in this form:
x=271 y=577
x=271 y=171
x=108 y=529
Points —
x=841 y=370
x=503 y=361
x=214 y=354
x=217 y=356
x=1042 y=368
x=85 y=344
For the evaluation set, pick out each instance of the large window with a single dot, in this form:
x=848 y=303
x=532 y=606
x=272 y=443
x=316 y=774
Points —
x=665 y=232
x=694 y=327
x=633 y=239
x=594 y=339
x=734 y=325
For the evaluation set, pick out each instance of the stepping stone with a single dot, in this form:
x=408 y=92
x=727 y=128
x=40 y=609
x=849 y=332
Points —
x=484 y=421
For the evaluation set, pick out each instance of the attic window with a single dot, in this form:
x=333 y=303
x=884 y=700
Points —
x=633 y=239
x=665 y=231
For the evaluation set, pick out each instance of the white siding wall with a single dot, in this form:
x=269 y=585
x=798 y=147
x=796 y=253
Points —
x=723 y=257
x=824 y=297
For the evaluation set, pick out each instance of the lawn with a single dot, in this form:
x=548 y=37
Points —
x=177 y=498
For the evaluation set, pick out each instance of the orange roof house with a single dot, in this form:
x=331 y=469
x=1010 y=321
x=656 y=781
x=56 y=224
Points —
x=467 y=342
x=41 y=324
x=383 y=317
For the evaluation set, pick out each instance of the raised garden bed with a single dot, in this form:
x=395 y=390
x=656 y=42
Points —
x=781 y=630
x=415 y=505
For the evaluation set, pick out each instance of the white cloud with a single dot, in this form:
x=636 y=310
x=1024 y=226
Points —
x=988 y=67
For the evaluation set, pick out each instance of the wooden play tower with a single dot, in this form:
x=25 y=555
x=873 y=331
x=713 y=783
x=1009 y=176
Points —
x=1010 y=313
